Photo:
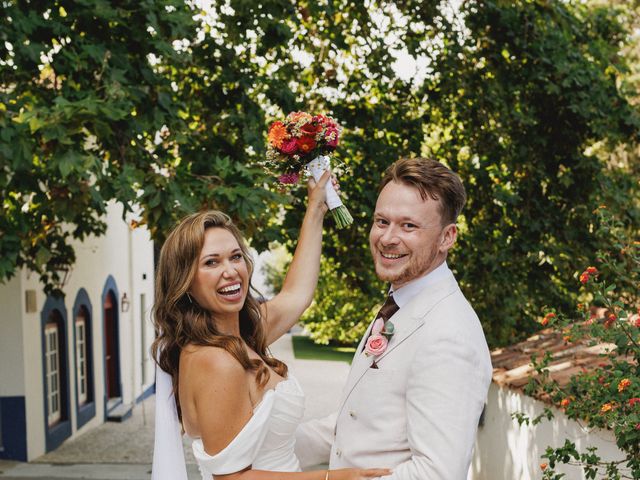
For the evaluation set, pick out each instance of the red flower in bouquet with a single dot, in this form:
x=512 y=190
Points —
x=311 y=129
x=306 y=144
x=331 y=137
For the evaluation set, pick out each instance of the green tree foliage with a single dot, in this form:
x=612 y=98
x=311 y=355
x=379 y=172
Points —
x=138 y=102
x=535 y=85
x=515 y=96
x=606 y=396
x=157 y=105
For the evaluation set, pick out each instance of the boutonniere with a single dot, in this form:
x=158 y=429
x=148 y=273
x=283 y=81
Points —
x=378 y=341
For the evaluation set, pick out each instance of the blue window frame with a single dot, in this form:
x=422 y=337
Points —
x=83 y=351
x=55 y=371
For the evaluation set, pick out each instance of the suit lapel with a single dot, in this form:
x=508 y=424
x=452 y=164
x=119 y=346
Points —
x=406 y=322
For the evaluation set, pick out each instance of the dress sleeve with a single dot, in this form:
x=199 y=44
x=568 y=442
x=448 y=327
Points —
x=243 y=449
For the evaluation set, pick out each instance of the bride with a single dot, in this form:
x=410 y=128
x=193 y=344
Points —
x=216 y=381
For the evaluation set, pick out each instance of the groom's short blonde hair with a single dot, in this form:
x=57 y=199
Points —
x=433 y=179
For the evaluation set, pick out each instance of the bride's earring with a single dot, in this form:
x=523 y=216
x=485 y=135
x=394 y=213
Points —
x=189 y=297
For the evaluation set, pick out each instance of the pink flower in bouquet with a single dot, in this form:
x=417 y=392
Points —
x=376 y=345
x=289 y=178
x=289 y=147
x=331 y=136
x=306 y=144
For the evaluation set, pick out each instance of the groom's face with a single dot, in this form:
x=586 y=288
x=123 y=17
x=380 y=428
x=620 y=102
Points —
x=407 y=238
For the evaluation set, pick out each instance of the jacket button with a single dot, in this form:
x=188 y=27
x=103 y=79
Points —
x=339 y=452
x=353 y=415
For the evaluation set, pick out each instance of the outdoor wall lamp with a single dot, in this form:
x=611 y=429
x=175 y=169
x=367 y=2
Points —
x=124 y=303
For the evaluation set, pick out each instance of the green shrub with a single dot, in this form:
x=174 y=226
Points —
x=609 y=395
x=339 y=313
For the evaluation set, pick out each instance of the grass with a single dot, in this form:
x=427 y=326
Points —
x=305 y=349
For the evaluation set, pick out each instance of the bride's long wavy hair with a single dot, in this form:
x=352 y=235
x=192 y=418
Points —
x=180 y=321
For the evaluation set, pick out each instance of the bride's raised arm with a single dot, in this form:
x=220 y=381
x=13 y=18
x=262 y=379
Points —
x=284 y=309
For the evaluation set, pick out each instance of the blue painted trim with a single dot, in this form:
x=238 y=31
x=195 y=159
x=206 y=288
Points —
x=14 y=428
x=59 y=432
x=87 y=411
x=110 y=286
x=151 y=389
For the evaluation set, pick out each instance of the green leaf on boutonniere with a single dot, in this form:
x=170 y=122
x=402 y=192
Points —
x=389 y=330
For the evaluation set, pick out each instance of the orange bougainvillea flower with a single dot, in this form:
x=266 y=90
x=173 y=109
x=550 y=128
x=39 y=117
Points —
x=547 y=318
x=607 y=407
x=565 y=402
x=584 y=277
x=543 y=466
x=277 y=134
x=634 y=401
x=592 y=270
x=623 y=384
x=611 y=318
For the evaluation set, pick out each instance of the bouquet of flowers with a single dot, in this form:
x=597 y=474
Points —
x=304 y=141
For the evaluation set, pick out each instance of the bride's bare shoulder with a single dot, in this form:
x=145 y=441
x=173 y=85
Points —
x=211 y=360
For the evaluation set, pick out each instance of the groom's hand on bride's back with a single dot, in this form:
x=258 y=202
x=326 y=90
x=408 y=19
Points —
x=358 y=473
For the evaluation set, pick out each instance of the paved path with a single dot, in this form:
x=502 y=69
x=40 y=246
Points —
x=124 y=451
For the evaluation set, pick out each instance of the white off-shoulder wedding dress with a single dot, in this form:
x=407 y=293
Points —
x=267 y=440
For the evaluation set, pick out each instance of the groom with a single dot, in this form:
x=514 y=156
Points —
x=414 y=407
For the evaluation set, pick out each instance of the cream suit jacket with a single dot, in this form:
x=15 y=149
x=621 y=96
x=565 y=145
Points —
x=418 y=412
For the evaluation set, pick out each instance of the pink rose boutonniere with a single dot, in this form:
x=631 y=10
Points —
x=379 y=339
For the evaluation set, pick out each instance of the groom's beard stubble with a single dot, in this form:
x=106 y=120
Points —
x=419 y=263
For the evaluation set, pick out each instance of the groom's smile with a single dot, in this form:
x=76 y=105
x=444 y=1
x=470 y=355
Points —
x=391 y=256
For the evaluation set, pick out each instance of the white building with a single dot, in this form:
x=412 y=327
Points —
x=67 y=364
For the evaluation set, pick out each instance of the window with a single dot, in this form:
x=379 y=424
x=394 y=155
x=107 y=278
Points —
x=52 y=362
x=55 y=373
x=83 y=353
x=81 y=356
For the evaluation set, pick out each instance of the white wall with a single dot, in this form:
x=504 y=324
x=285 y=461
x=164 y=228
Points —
x=506 y=450
x=142 y=281
x=11 y=360
x=32 y=358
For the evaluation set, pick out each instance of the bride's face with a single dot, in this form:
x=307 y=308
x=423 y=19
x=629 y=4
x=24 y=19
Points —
x=222 y=279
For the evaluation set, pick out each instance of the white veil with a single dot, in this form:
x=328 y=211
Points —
x=168 y=456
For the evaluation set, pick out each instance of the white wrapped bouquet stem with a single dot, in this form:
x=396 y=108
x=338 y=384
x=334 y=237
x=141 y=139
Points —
x=341 y=215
